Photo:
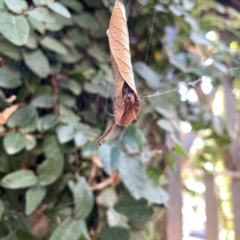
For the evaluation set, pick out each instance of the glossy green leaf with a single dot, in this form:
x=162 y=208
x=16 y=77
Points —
x=86 y=20
x=43 y=101
x=83 y=198
x=133 y=140
x=133 y=174
x=65 y=133
x=14 y=28
x=19 y=179
x=10 y=50
x=70 y=229
x=60 y=9
x=22 y=117
x=47 y=122
x=37 y=62
x=16 y=6
x=152 y=78
x=53 y=45
x=51 y=147
x=41 y=14
x=8 y=80
x=136 y=210
x=110 y=155
x=34 y=197
x=50 y=170
x=14 y=142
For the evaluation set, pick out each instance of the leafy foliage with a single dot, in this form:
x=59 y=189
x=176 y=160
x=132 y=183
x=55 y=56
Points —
x=55 y=60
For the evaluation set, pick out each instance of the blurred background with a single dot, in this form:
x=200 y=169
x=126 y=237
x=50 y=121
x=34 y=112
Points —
x=173 y=174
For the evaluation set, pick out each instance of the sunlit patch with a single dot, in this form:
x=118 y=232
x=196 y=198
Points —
x=208 y=166
x=192 y=96
x=212 y=36
x=234 y=46
x=185 y=127
x=206 y=84
x=182 y=88
x=195 y=186
x=218 y=106
x=208 y=61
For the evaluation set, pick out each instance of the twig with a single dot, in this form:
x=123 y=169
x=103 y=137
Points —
x=55 y=92
x=92 y=173
x=113 y=181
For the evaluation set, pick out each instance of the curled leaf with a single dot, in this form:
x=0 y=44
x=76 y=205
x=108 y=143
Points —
x=126 y=100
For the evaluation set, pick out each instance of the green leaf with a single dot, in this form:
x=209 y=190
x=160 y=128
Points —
x=79 y=139
x=60 y=9
x=16 y=6
x=67 y=100
x=70 y=229
x=71 y=85
x=165 y=124
x=136 y=210
x=19 y=179
x=199 y=37
x=37 y=62
x=31 y=142
x=31 y=80
x=86 y=21
x=8 y=80
x=133 y=174
x=51 y=147
x=83 y=198
x=43 y=101
x=39 y=26
x=47 y=122
x=65 y=133
x=50 y=170
x=67 y=115
x=133 y=140
x=53 y=45
x=24 y=235
x=34 y=197
x=14 y=142
x=154 y=193
x=72 y=56
x=41 y=2
x=179 y=149
x=4 y=231
x=32 y=41
x=179 y=61
x=108 y=197
x=14 y=28
x=114 y=233
x=152 y=78
x=42 y=15
x=1 y=209
x=22 y=117
x=90 y=150
x=110 y=155
x=9 y=50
